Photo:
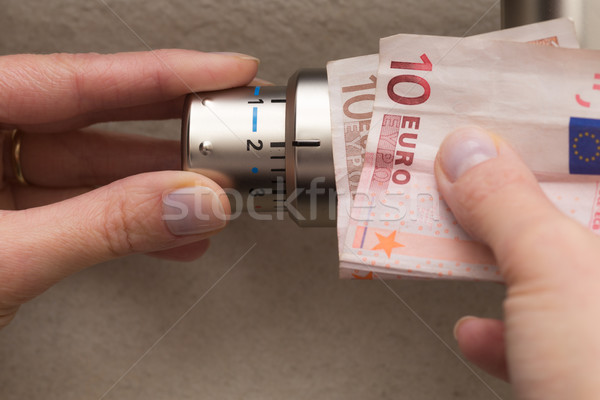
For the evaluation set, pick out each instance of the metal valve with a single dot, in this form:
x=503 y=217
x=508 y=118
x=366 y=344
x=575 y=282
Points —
x=269 y=146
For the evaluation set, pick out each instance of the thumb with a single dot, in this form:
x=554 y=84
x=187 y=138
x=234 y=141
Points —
x=143 y=213
x=497 y=199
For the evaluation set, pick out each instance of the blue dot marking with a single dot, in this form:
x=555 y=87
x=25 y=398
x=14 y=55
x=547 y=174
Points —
x=257 y=90
x=255 y=170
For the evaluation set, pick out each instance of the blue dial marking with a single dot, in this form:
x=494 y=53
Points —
x=255 y=170
x=255 y=110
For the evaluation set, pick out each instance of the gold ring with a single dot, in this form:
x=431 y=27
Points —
x=15 y=137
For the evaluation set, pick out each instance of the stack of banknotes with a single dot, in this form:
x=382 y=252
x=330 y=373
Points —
x=390 y=112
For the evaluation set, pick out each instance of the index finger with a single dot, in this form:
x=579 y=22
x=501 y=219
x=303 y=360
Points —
x=38 y=89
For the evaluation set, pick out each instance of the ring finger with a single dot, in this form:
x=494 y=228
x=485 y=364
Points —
x=89 y=158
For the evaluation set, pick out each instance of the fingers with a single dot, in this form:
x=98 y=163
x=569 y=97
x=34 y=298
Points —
x=185 y=253
x=92 y=158
x=31 y=196
x=497 y=199
x=170 y=109
x=7 y=314
x=38 y=89
x=481 y=341
x=146 y=213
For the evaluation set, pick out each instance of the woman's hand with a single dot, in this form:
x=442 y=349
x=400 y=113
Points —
x=61 y=221
x=548 y=345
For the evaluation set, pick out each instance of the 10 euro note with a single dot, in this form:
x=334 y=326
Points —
x=544 y=100
x=352 y=85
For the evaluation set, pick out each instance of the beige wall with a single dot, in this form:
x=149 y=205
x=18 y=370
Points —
x=279 y=325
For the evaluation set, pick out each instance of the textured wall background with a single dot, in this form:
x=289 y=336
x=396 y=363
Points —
x=280 y=325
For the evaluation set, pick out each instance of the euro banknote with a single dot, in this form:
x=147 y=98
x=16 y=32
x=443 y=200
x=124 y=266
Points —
x=352 y=93
x=544 y=100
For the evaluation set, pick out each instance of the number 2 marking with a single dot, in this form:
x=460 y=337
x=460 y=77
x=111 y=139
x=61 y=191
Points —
x=258 y=146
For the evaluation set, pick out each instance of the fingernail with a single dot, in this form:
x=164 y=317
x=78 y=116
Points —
x=465 y=148
x=237 y=55
x=458 y=323
x=193 y=210
x=260 y=82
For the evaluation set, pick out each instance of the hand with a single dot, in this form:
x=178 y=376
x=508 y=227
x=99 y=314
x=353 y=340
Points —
x=548 y=345
x=62 y=225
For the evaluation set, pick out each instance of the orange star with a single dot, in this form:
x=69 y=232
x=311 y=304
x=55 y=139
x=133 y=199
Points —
x=387 y=243
x=368 y=276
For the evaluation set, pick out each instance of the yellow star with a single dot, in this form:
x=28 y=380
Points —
x=387 y=243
